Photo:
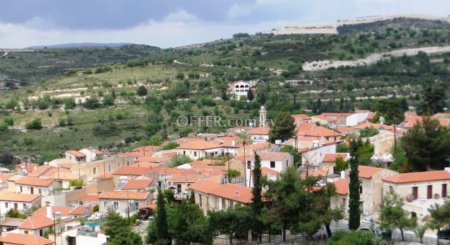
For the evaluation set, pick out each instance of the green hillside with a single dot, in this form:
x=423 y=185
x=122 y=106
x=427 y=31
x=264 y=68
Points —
x=192 y=81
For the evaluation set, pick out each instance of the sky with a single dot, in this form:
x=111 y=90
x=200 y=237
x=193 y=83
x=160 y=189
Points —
x=172 y=23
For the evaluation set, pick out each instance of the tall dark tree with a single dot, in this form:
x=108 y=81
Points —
x=141 y=91
x=250 y=95
x=433 y=99
x=257 y=204
x=427 y=146
x=354 y=202
x=283 y=127
x=162 y=229
x=119 y=230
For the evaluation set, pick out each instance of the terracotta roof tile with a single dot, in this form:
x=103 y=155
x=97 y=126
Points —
x=24 y=239
x=233 y=192
x=35 y=222
x=367 y=172
x=89 y=198
x=341 y=186
x=136 y=184
x=75 y=153
x=134 y=171
x=199 y=145
x=17 y=197
x=331 y=157
x=259 y=131
x=33 y=181
x=123 y=195
x=419 y=177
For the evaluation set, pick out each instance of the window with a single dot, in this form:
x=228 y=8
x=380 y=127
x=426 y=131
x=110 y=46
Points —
x=6 y=205
x=444 y=190
x=200 y=200
x=413 y=215
x=115 y=205
x=94 y=171
x=391 y=188
x=26 y=232
x=40 y=191
x=32 y=190
x=429 y=192
x=16 y=206
x=272 y=164
x=184 y=152
x=195 y=153
x=249 y=164
x=360 y=188
x=24 y=206
x=21 y=189
x=415 y=192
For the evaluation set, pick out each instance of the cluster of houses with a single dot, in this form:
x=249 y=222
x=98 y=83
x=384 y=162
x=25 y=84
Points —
x=51 y=197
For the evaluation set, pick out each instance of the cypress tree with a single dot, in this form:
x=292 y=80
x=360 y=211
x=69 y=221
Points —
x=257 y=204
x=354 y=211
x=162 y=230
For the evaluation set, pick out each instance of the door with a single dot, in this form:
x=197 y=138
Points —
x=415 y=192
x=444 y=190
x=429 y=191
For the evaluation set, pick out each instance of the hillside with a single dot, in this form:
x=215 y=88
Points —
x=88 y=96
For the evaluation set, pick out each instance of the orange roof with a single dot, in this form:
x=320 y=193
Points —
x=123 y=195
x=17 y=197
x=233 y=192
x=33 y=181
x=77 y=154
x=268 y=171
x=35 y=222
x=331 y=157
x=320 y=172
x=134 y=171
x=185 y=178
x=199 y=145
x=373 y=125
x=367 y=172
x=41 y=170
x=259 y=131
x=341 y=186
x=135 y=184
x=89 y=198
x=64 y=210
x=419 y=177
x=344 y=129
x=24 y=239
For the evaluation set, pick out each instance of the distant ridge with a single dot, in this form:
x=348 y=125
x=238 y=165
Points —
x=77 y=45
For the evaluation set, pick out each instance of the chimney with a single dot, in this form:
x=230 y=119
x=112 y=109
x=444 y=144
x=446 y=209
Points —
x=49 y=212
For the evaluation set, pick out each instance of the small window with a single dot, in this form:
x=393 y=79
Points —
x=115 y=205
x=200 y=200
x=195 y=153
x=272 y=164
x=391 y=188
x=360 y=188
x=249 y=164
x=6 y=205
x=94 y=171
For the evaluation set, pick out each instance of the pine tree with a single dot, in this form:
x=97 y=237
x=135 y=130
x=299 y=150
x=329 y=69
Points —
x=283 y=128
x=162 y=230
x=257 y=204
x=354 y=210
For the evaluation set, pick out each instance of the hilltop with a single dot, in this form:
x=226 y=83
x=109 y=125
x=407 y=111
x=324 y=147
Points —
x=193 y=81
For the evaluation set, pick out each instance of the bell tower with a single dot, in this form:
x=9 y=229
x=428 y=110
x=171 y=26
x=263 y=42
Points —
x=263 y=117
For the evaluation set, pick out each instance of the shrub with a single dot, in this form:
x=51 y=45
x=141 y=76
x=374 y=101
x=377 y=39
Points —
x=36 y=124
x=3 y=127
x=9 y=121
x=141 y=91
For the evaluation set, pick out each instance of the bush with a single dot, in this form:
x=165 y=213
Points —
x=178 y=160
x=77 y=183
x=91 y=103
x=170 y=146
x=9 y=121
x=69 y=103
x=141 y=91
x=3 y=127
x=353 y=237
x=36 y=124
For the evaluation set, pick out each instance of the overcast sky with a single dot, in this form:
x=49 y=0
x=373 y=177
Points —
x=170 y=23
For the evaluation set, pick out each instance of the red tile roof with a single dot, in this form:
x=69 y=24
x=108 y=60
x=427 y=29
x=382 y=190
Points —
x=123 y=195
x=133 y=171
x=136 y=184
x=199 y=145
x=64 y=210
x=77 y=154
x=35 y=222
x=341 y=186
x=259 y=131
x=233 y=192
x=89 y=198
x=367 y=172
x=33 y=181
x=24 y=239
x=17 y=197
x=331 y=157
x=418 y=177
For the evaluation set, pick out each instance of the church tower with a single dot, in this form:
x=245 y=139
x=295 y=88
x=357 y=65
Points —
x=263 y=117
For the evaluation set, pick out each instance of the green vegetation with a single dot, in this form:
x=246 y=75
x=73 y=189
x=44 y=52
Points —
x=393 y=216
x=119 y=231
x=294 y=152
x=283 y=127
x=178 y=160
x=354 y=205
x=426 y=146
x=352 y=237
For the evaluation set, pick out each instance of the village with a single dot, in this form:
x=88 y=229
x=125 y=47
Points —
x=63 y=200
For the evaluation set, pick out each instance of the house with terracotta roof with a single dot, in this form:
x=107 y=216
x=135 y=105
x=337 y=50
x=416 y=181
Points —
x=75 y=156
x=142 y=184
x=36 y=225
x=18 y=201
x=276 y=161
x=313 y=156
x=259 y=134
x=420 y=190
x=301 y=118
x=201 y=148
x=329 y=160
x=92 y=154
x=212 y=196
x=23 y=239
x=124 y=202
x=33 y=185
x=26 y=168
x=371 y=187
x=341 y=199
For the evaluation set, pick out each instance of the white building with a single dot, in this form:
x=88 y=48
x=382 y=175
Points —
x=21 y=202
x=124 y=202
x=241 y=88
